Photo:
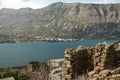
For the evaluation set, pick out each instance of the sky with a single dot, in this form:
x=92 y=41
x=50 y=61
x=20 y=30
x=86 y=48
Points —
x=16 y=4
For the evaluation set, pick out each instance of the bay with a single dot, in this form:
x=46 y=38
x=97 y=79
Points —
x=17 y=54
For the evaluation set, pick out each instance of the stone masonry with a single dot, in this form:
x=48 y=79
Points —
x=100 y=62
x=106 y=62
x=77 y=62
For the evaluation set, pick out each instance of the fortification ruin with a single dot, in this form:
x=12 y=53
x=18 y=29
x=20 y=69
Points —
x=95 y=62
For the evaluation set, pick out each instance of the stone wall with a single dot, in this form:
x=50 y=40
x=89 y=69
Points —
x=55 y=63
x=77 y=62
x=97 y=62
x=106 y=62
x=37 y=66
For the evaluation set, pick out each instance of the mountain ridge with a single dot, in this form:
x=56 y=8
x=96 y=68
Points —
x=61 y=20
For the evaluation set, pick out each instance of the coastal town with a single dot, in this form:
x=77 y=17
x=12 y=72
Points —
x=99 y=62
x=36 y=38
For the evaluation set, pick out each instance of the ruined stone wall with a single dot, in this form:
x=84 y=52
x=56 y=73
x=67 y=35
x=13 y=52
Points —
x=55 y=63
x=101 y=61
x=36 y=66
x=68 y=74
x=106 y=63
x=77 y=62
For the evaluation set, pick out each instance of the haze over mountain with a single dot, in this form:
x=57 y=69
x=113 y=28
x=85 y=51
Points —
x=64 y=20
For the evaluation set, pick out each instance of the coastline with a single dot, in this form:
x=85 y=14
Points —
x=41 y=40
x=53 y=40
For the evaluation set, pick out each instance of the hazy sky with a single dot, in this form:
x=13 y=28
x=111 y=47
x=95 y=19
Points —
x=42 y=3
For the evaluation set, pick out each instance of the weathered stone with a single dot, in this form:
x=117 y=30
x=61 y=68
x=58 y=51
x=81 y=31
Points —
x=103 y=57
x=97 y=70
x=55 y=63
x=116 y=77
x=95 y=78
x=116 y=71
x=91 y=73
x=80 y=61
x=104 y=73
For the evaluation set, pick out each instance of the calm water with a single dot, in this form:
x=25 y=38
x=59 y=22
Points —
x=15 y=54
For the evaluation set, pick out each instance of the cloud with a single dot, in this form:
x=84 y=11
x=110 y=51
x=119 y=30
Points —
x=0 y=2
x=108 y=1
x=100 y=1
x=111 y=1
x=25 y=0
x=16 y=4
x=12 y=3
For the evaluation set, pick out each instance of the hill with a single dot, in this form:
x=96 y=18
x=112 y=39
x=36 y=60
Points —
x=61 y=20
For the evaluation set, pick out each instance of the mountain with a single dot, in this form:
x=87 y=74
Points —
x=61 y=20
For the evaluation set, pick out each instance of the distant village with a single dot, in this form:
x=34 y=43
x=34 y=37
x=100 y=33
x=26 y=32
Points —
x=36 y=38
x=99 y=62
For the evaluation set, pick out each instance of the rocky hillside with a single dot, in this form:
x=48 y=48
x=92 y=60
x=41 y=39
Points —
x=64 y=20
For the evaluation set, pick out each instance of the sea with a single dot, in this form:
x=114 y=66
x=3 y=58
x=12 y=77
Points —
x=20 y=54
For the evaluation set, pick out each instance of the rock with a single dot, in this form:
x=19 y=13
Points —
x=91 y=73
x=105 y=73
x=97 y=70
x=116 y=71
x=115 y=77
x=95 y=78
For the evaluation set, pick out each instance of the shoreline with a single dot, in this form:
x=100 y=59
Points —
x=42 y=40
x=45 y=41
